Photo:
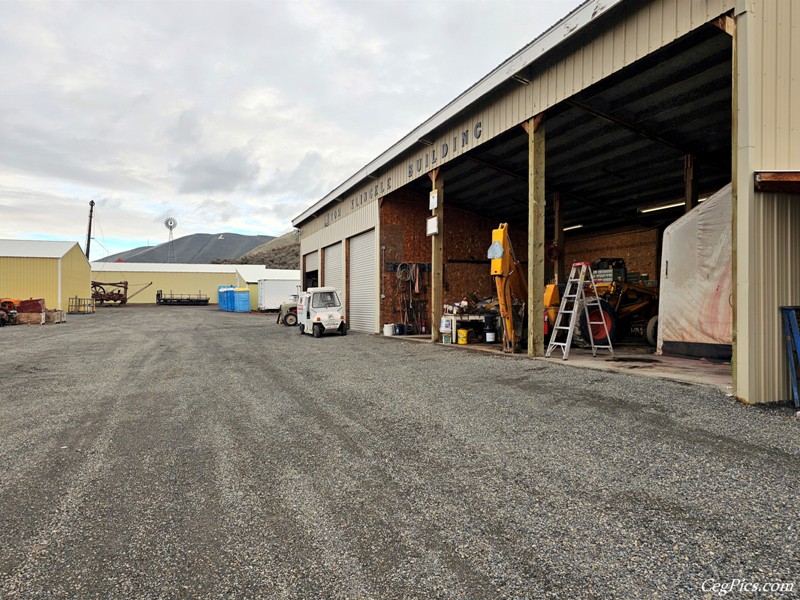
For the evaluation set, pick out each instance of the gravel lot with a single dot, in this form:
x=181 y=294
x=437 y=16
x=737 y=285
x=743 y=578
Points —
x=151 y=452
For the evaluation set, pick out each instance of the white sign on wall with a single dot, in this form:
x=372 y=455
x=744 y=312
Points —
x=433 y=226
x=433 y=199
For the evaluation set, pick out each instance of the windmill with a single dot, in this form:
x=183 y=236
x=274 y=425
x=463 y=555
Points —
x=170 y=223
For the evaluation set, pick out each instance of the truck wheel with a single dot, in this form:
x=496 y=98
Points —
x=290 y=319
x=317 y=330
x=342 y=329
x=652 y=331
x=596 y=332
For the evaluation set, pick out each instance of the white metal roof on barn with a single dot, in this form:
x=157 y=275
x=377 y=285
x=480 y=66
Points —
x=34 y=248
x=126 y=267
x=253 y=273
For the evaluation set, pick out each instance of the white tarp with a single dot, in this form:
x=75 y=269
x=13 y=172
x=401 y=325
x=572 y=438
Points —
x=695 y=295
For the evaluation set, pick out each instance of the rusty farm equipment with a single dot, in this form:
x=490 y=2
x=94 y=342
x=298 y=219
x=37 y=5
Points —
x=114 y=293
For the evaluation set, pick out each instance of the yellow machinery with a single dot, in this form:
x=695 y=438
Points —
x=512 y=290
x=511 y=285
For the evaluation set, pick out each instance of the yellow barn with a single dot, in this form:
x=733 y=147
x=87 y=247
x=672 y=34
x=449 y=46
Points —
x=55 y=271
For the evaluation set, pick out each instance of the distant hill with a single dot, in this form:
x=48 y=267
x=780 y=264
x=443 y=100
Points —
x=198 y=248
x=282 y=252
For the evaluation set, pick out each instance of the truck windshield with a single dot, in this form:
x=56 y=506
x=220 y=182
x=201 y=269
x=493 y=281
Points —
x=325 y=300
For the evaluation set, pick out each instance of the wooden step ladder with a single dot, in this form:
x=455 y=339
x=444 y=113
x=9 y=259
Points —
x=580 y=295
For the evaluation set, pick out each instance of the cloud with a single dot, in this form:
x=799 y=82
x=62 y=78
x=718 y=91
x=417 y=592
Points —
x=305 y=179
x=226 y=115
x=219 y=210
x=188 y=128
x=216 y=172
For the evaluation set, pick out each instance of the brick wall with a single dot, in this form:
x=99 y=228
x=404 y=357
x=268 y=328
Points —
x=403 y=216
x=467 y=239
x=639 y=249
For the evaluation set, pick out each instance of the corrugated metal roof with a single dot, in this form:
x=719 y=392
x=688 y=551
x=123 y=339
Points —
x=252 y=273
x=126 y=267
x=568 y=27
x=34 y=248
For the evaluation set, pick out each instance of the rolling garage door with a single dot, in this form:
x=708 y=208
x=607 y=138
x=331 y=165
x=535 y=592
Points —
x=312 y=261
x=362 y=297
x=333 y=272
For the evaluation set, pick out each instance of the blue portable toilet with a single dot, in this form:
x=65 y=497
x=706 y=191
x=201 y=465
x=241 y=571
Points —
x=241 y=299
x=225 y=293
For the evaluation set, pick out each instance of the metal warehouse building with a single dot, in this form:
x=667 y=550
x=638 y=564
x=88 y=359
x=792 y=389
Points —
x=55 y=271
x=620 y=110
x=168 y=277
x=145 y=279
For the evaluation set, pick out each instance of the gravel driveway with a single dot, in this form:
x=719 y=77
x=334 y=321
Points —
x=173 y=452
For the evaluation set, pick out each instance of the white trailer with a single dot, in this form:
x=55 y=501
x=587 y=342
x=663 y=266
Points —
x=274 y=292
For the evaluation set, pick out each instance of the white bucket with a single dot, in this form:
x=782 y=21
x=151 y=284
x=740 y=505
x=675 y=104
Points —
x=489 y=336
x=388 y=329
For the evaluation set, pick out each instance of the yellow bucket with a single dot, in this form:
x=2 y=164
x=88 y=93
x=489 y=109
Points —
x=462 y=336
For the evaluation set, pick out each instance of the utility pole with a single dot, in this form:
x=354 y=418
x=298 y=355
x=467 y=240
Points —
x=89 y=234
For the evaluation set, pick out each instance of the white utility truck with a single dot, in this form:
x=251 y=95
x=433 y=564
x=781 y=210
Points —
x=319 y=311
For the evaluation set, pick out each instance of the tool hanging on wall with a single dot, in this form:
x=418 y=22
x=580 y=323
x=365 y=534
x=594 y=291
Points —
x=409 y=276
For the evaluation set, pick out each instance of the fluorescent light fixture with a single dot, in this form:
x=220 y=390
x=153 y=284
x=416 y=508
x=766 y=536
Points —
x=662 y=207
x=650 y=209
x=571 y=227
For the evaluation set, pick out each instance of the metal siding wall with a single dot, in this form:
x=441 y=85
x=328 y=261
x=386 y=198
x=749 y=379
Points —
x=333 y=257
x=775 y=224
x=75 y=276
x=777 y=227
x=25 y=278
x=362 y=219
x=778 y=57
x=363 y=283
x=253 y=287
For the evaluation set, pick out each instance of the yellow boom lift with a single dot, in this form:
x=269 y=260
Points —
x=511 y=285
x=512 y=290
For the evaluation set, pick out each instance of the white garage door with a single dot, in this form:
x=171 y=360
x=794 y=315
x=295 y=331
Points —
x=333 y=271
x=362 y=297
x=312 y=262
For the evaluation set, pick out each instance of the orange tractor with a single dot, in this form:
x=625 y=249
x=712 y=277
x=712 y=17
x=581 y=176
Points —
x=625 y=306
x=8 y=311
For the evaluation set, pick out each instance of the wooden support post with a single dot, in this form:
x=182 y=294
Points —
x=690 y=182
x=437 y=257
x=748 y=284
x=536 y=205
x=558 y=238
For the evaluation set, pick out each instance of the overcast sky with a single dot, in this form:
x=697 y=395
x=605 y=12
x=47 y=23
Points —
x=228 y=115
